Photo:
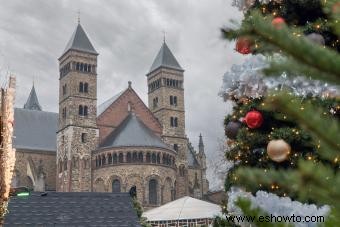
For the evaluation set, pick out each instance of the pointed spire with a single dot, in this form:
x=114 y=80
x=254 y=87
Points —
x=165 y=58
x=201 y=145
x=32 y=102
x=80 y=41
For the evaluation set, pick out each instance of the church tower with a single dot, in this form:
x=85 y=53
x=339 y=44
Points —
x=77 y=132
x=166 y=100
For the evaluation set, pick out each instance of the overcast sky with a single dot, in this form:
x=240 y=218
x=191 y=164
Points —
x=127 y=34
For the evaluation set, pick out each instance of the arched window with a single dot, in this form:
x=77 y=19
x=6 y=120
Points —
x=97 y=162
x=85 y=67
x=171 y=100
x=134 y=157
x=121 y=158
x=128 y=157
x=171 y=121
x=175 y=122
x=175 y=101
x=103 y=160
x=148 y=157
x=153 y=192
x=114 y=158
x=158 y=158
x=78 y=66
x=140 y=157
x=109 y=159
x=164 y=159
x=116 y=186
x=85 y=111
x=81 y=110
x=81 y=67
x=89 y=68
x=86 y=87
x=153 y=158
x=81 y=87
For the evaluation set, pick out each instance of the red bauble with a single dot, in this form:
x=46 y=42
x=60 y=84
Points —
x=243 y=45
x=336 y=8
x=253 y=119
x=278 y=22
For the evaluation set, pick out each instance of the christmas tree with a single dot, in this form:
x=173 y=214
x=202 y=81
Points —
x=287 y=142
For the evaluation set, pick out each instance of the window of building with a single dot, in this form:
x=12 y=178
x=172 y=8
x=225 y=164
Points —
x=173 y=122
x=109 y=159
x=83 y=137
x=86 y=87
x=114 y=158
x=86 y=109
x=81 y=87
x=116 y=186
x=175 y=101
x=140 y=157
x=128 y=157
x=81 y=110
x=148 y=157
x=176 y=147
x=78 y=66
x=64 y=113
x=89 y=68
x=155 y=102
x=134 y=157
x=153 y=192
x=153 y=158
x=121 y=158
x=81 y=67
x=64 y=89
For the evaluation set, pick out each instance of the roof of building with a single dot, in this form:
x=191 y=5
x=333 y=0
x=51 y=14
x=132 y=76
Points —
x=35 y=130
x=183 y=208
x=165 y=58
x=192 y=161
x=32 y=102
x=132 y=132
x=80 y=41
x=102 y=107
x=72 y=209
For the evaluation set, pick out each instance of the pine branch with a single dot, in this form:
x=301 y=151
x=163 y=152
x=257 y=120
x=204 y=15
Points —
x=324 y=129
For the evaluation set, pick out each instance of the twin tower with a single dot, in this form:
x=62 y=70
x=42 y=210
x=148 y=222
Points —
x=78 y=132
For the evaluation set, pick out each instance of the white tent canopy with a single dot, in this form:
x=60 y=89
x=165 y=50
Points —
x=184 y=208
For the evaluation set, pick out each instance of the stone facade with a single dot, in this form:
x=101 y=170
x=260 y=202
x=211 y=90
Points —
x=136 y=171
x=78 y=133
x=35 y=169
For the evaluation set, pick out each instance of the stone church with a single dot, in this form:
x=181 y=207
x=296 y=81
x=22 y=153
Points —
x=115 y=146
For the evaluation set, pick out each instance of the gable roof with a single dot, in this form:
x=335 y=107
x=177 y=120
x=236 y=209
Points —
x=102 y=107
x=165 y=58
x=132 y=132
x=183 y=208
x=35 y=130
x=32 y=102
x=72 y=209
x=80 y=41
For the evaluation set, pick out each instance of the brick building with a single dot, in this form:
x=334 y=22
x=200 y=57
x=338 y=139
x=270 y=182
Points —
x=119 y=145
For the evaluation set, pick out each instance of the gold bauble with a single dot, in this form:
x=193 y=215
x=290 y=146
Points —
x=278 y=150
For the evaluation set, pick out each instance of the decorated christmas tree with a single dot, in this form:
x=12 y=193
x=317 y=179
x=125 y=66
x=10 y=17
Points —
x=284 y=131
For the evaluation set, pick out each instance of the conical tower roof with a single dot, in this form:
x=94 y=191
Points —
x=32 y=102
x=80 y=41
x=165 y=58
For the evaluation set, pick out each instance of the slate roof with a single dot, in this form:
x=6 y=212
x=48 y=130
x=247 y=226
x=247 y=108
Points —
x=165 y=58
x=102 y=107
x=32 y=102
x=72 y=209
x=192 y=161
x=80 y=41
x=132 y=132
x=35 y=130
